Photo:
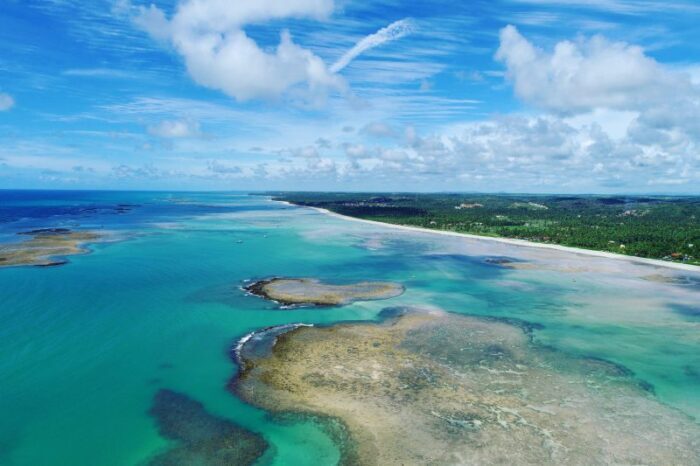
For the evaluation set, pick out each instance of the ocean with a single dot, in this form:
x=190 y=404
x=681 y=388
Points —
x=158 y=304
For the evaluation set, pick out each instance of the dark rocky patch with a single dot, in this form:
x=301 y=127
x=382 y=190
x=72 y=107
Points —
x=53 y=264
x=686 y=310
x=502 y=261
x=124 y=208
x=46 y=232
x=393 y=312
x=692 y=372
x=201 y=438
x=680 y=280
x=259 y=344
x=256 y=288
x=526 y=326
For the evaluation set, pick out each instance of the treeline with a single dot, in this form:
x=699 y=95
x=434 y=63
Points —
x=655 y=227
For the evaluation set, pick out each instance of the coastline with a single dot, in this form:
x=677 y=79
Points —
x=511 y=241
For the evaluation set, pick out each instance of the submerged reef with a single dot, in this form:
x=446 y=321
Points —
x=47 y=247
x=506 y=262
x=430 y=387
x=308 y=291
x=681 y=280
x=201 y=438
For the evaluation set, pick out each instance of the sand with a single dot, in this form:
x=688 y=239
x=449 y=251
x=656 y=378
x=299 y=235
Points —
x=47 y=247
x=309 y=291
x=515 y=242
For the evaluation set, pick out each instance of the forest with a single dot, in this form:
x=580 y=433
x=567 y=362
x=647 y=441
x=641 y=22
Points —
x=659 y=227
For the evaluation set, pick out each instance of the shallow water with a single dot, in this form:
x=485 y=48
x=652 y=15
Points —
x=431 y=387
x=85 y=347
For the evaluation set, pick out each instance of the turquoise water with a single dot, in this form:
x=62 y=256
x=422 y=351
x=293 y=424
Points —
x=85 y=346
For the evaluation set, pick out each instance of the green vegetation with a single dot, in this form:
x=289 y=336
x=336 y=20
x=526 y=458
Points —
x=659 y=227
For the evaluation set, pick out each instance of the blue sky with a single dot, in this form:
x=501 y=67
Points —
x=506 y=95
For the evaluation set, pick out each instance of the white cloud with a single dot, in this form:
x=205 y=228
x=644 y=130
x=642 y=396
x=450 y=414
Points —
x=175 y=129
x=379 y=129
x=357 y=151
x=394 y=31
x=615 y=122
x=6 y=102
x=648 y=112
x=210 y=36
x=590 y=73
x=546 y=153
x=694 y=72
x=218 y=53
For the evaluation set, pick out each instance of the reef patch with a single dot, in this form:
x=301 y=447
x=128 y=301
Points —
x=201 y=438
x=313 y=292
x=686 y=310
x=430 y=387
x=47 y=247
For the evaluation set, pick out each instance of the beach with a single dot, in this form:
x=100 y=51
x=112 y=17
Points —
x=515 y=242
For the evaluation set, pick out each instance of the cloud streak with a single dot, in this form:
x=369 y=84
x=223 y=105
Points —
x=394 y=31
x=98 y=73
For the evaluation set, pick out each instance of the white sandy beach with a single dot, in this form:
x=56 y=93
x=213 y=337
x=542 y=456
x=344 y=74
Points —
x=515 y=242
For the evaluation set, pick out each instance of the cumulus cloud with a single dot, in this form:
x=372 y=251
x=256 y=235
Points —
x=587 y=74
x=170 y=129
x=6 y=102
x=629 y=113
x=218 y=54
x=357 y=151
x=518 y=152
x=394 y=31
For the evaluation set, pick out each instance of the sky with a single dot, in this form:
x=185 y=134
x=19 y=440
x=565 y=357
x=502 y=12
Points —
x=536 y=96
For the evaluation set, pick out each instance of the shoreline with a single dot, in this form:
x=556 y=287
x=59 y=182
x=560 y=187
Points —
x=511 y=241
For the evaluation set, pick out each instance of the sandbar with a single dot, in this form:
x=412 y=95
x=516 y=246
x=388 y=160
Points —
x=516 y=242
x=310 y=291
x=46 y=247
